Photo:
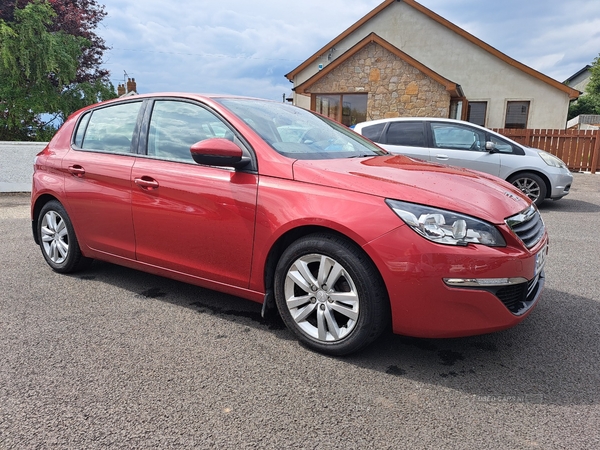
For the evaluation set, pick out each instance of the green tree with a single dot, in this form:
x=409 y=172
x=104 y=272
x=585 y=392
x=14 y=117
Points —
x=593 y=87
x=589 y=102
x=38 y=69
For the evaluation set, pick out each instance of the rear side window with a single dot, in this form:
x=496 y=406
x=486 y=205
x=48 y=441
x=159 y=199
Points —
x=108 y=129
x=373 y=132
x=410 y=134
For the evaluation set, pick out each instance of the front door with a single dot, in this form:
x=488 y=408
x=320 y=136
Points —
x=462 y=146
x=193 y=219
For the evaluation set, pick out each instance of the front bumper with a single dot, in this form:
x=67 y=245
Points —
x=424 y=305
x=560 y=183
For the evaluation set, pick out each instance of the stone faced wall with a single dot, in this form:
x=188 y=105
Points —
x=395 y=88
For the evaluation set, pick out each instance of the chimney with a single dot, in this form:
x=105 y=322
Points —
x=120 y=90
x=131 y=86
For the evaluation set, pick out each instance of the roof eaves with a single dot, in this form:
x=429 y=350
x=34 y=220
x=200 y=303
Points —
x=290 y=76
x=573 y=93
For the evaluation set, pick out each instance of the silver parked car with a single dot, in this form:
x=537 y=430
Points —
x=538 y=174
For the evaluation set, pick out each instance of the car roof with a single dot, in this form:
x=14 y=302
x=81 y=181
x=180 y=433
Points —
x=414 y=119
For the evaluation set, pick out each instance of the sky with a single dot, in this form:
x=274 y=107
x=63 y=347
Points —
x=246 y=47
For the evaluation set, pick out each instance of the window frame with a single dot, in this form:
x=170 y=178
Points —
x=485 y=111
x=474 y=130
x=84 y=121
x=529 y=103
x=239 y=140
x=423 y=123
x=339 y=116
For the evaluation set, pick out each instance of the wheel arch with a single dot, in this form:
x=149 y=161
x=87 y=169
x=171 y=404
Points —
x=35 y=212
x=535 y=172
x=284 y=241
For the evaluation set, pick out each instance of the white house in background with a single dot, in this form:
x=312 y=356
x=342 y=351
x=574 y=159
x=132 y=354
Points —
x=403 y=59
x=580 y=80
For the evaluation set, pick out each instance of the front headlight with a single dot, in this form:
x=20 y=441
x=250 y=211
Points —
x=447 y=227
x=552 y=160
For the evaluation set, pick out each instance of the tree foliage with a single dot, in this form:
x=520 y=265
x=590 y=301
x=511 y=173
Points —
x=593 y=87
x=39 y=71
x=78 y=18
x=589 y=102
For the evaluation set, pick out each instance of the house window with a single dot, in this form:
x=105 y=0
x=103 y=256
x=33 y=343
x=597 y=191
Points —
x=348 y=109
x=456 y=107
x=516 y=114
x=476 y=113
x=328 y=105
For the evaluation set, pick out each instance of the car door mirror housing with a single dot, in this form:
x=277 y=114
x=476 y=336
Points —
x=490 y=147
x=219 y=152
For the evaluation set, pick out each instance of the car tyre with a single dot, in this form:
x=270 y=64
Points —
x=330 y=294
x=531 y=185
x=57 y=240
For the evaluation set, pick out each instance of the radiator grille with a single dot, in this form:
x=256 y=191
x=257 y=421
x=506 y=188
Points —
x=528 y=226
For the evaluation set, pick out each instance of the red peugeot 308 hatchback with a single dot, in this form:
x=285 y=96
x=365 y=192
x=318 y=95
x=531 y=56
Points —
x=284 y=207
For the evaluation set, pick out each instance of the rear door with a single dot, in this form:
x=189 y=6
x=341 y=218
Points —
x=98 y=178
x=462 y=146
x=193 y=219
x=407 y=138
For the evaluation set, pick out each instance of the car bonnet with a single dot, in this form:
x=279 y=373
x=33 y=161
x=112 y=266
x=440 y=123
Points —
x=402 y=178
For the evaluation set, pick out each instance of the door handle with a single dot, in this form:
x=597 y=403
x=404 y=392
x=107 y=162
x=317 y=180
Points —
x=77 y=170
x=441 y=157
x=147 y=183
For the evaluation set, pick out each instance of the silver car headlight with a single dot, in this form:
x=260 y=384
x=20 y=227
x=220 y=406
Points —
x=447 y=227
x=552 y=160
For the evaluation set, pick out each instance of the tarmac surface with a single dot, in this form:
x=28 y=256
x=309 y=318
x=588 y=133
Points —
x=112 y=357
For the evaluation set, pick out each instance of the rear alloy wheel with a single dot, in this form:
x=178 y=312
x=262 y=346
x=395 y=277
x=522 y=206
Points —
x=57 y=240
x=330 y=295
x=531 y=185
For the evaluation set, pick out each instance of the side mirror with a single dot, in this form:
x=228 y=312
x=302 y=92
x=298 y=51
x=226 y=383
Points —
x=219 y=152
x=490 y=147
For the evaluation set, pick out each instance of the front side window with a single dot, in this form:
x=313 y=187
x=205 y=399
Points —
x=175 y=126
x=300 y=134
x=457 y=137
x=517 y=114
x=411 y=134
x=476 y=112
x=109 y=129
x=502 y=146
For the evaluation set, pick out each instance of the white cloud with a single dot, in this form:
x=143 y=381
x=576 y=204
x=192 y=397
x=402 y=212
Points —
x=242 y=47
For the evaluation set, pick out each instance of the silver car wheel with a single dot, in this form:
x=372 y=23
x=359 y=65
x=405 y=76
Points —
x=531 y=184
x=55 y=237
x=529 y=187
x=321 y=297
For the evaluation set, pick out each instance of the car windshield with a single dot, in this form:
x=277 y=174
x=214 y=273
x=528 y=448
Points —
x=300 y=134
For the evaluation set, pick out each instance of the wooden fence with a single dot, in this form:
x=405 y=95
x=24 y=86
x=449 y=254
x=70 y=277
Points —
x=579 y=149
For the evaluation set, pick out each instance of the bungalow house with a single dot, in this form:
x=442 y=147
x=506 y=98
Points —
x=581 y=79
x=403 y=59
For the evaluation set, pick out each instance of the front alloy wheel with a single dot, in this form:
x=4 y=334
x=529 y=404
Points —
x=321 y=297
x=330 y=294
x=531 y=185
